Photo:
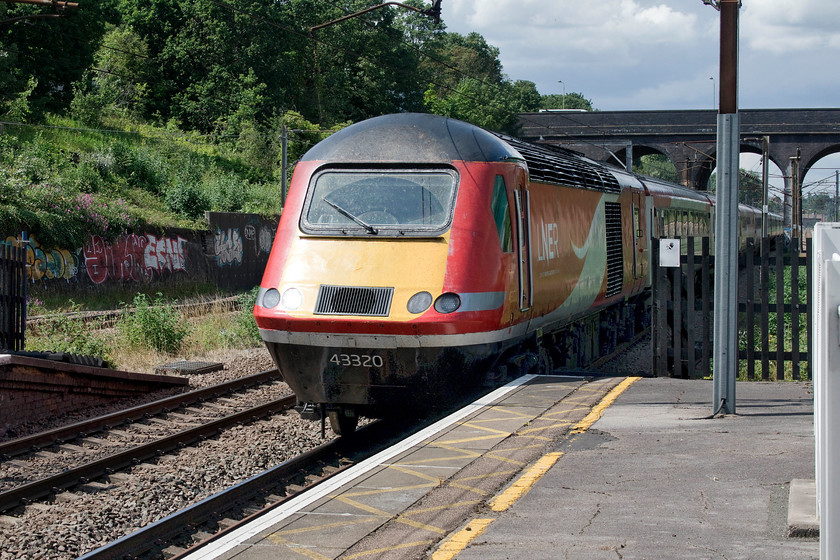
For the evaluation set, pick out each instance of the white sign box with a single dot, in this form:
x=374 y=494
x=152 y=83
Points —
x=669 y=253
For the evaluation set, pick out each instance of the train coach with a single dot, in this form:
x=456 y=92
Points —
x=418 y=255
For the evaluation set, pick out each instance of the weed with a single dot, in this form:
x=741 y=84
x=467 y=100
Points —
x=153 y=325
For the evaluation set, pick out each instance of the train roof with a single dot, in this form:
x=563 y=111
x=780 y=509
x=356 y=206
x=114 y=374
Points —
x=427 y=138
x=411 y=138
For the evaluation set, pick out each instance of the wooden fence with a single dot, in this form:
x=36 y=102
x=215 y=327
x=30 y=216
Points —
x=774 y=303
x=12 y=297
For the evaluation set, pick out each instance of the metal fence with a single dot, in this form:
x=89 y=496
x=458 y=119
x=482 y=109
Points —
x=774 y=336
x=12 y=297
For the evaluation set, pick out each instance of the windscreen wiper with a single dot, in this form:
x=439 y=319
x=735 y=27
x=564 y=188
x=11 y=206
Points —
x=372 y=230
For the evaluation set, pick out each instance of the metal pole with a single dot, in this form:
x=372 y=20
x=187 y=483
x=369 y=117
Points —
x=628 y=157
x=564 y=94
x=726 y=223
x=284 y=165
x=836 y=195
x=765 y=184
x=796 y=227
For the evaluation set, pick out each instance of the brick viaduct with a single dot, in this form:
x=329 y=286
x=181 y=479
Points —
x=688 y=138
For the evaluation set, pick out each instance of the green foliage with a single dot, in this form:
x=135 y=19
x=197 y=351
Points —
x=53 y=52
x=658 y=166
x=820 y=204
x=67 y=332
x=187 y=199
x=569 y=101
x=491 y=106
x=157 y=325
x=240 y=331
x=177 y=107
x=244 y=325
x=18 y=108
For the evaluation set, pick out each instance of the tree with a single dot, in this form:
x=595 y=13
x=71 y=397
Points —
x=55 y=53
x=569 y=101
x=656 y=165
x=465 y=82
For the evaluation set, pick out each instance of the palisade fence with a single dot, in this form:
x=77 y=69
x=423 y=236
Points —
x=12 y=297
x=774 y=307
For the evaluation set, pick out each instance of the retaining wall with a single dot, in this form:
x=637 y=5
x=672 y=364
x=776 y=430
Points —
x=32 y=388
x=231 y=253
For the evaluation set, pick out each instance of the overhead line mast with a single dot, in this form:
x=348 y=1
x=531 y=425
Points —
x=725 y=358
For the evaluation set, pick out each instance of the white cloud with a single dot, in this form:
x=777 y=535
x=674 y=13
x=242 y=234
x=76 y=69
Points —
x=659 y=54
x=576 y=26
x=780 y=26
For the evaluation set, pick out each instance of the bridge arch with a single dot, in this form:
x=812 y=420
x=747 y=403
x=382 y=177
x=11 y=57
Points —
x=688 y=137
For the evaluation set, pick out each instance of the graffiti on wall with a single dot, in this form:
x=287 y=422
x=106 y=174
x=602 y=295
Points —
x=240 y=247
x=228 y=247
x=133 y=258
x=262 y=237
x=52 y=264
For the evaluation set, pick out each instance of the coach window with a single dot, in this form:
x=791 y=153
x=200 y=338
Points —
x=501 y=214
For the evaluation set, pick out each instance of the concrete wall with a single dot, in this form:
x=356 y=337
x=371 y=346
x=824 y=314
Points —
x=231 y=252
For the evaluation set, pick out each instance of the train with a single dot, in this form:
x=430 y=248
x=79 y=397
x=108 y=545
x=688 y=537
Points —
x=419 y=257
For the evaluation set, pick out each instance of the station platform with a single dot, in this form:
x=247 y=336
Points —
x=655 y=478
x=562 y=467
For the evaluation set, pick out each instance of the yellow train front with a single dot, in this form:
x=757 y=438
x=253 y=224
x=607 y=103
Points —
x=387 y=285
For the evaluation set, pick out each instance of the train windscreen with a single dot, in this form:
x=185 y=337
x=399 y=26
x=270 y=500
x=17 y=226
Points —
x=380 y=202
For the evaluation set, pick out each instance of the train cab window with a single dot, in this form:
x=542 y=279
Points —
x=501 y=214
x=383 y=202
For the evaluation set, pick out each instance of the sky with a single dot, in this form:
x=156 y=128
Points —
x=664 y=54
x=661 y=54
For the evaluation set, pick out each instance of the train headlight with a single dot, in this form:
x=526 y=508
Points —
x=447 y=303
x=419 y=302
x=270 y=298
x=292 y=299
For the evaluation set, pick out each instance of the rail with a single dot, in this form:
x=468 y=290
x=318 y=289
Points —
x=87 y=427
x=93 y=470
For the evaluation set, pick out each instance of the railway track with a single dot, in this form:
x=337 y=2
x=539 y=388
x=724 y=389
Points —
x=157 y=430
x=109 y=318
x=90 y=471
x=57 y=436
x=174 y=536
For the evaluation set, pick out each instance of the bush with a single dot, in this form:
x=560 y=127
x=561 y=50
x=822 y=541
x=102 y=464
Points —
x=157 y=326
x=187 y=199
x=227 y=192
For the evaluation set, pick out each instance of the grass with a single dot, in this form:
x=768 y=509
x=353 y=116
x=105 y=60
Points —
x=152 y=331
x=773 y=336
x=62 y=182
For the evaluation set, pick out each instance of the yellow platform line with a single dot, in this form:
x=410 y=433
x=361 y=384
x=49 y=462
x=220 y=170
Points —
x=525 y=482
x=378 y=551
x=398 y=519
x=599 y=409
x=450 y=548
x=459 y=541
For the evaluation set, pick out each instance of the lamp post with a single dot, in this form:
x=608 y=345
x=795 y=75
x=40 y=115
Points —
x=564 y=93
x=713 y=91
